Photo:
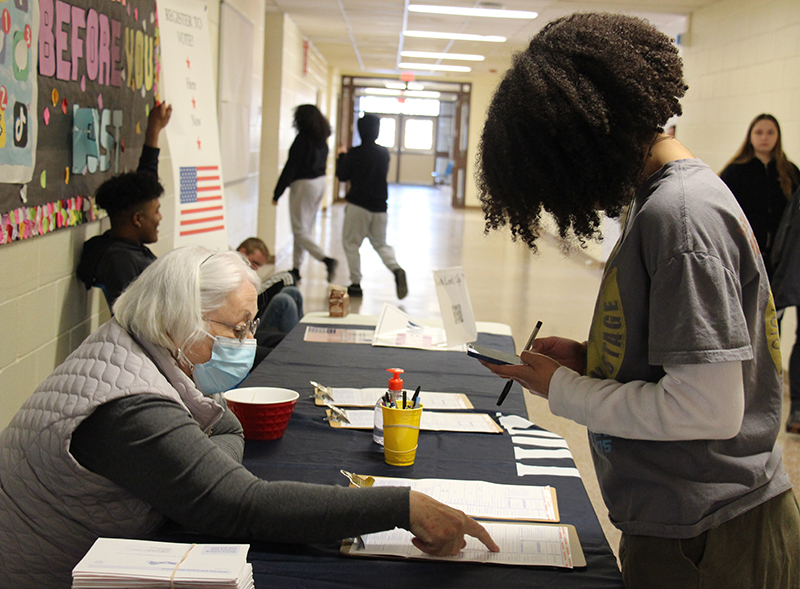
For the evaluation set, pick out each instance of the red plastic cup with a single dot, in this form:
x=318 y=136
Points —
x=264 y=412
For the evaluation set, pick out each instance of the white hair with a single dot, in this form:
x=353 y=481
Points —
x=167 y=303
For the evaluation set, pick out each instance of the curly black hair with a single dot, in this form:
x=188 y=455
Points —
x=127 y=192
x=309 y=119
x=568 y=128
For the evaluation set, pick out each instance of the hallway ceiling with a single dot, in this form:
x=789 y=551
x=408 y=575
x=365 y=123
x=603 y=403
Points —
x=365 y=36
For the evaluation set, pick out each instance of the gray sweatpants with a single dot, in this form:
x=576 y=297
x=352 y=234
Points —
x=304 y=199
x=358 y=224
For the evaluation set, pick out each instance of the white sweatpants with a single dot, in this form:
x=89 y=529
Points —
x=358 y=224
x=304 y=199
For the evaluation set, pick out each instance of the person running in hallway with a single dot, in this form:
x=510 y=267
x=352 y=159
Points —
x=304 y=175
x=762 y=179
x=679 y=383
x=112 y=260
x=366 y=167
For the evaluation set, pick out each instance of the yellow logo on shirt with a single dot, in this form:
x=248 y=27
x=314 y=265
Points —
x=773 y=334
x=606 y=346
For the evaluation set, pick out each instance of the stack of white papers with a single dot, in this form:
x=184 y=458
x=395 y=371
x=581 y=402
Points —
x=137 y=563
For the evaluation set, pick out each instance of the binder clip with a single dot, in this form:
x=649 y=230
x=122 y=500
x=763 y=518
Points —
x=321 y=392
x=358 y=480
x=335 y=414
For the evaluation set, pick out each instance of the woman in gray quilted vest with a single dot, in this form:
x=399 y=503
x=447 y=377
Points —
x=129 y=432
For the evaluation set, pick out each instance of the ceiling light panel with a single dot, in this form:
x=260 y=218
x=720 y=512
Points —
x=455 y=36
x=434 y=55
x=477 y=12
x=435 y=68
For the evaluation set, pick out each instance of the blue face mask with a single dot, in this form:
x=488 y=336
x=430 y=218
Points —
x=230 y=362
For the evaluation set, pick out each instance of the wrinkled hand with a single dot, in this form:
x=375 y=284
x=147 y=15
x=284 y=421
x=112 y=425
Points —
x=565 y=351
x=439 y=529
x=157 y=119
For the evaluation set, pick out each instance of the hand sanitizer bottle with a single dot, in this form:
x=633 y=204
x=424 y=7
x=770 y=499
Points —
x=396 y=394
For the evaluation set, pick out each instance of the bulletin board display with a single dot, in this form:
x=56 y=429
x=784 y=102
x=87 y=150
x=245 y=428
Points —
x=96 y=71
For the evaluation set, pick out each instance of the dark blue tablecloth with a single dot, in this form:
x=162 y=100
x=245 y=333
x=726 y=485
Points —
x=312 y=451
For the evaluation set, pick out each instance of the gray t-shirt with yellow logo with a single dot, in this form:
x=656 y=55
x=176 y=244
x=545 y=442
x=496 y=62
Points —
x=685 y=284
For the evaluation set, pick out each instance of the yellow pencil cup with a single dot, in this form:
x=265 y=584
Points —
x=400 y=435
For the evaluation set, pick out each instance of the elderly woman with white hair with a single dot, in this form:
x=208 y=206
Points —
x=129 y=433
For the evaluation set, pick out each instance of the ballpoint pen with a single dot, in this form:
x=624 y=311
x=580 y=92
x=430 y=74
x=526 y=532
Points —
x=509 y=383
x=415 y=397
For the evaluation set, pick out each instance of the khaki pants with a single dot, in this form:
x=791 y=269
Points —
x=759 y=549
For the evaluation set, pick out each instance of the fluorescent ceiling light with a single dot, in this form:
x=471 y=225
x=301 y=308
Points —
x=404 y=85
x=410 y=93
x=422 y=94
x=382 y=91
x=434 y=55
x=435 y=68
x=455 y=36
x=461 y=11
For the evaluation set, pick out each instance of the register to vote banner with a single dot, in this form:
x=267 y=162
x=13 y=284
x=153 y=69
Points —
x=188 y=84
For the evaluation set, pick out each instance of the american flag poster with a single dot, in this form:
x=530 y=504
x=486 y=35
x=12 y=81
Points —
x=201 y=209
x=192 y=133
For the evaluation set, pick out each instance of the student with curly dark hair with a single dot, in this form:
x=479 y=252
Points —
x=112 y=261
x=304 y=176
x=679 y=383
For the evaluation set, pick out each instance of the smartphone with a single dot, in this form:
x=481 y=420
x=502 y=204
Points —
x=491 y=355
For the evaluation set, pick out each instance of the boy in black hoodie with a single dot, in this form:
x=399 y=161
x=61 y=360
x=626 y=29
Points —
x=365 y=167
x=112 y=261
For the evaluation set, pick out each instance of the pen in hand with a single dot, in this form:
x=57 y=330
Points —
x=505 y=392
x=509 y=383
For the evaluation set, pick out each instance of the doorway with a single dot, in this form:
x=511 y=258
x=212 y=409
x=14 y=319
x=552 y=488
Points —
x=424 y=125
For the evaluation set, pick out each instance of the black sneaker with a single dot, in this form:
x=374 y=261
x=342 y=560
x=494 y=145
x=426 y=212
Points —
x=400 y=281
x=296 y=274
x=793 y=424
x=331 y=265
x=354 y=290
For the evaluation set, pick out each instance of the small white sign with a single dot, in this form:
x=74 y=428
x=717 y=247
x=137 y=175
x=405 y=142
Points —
x=456 y=308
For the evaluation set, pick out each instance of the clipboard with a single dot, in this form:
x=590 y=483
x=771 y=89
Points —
x=351 y=547
x=464 y=400
x=491 y=425
x=370 y=481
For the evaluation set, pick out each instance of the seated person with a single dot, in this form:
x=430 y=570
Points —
x=151 y=442
x=112 y=260
x=280 y=303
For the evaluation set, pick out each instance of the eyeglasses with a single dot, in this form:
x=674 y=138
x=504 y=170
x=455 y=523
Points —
x=240 y=331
